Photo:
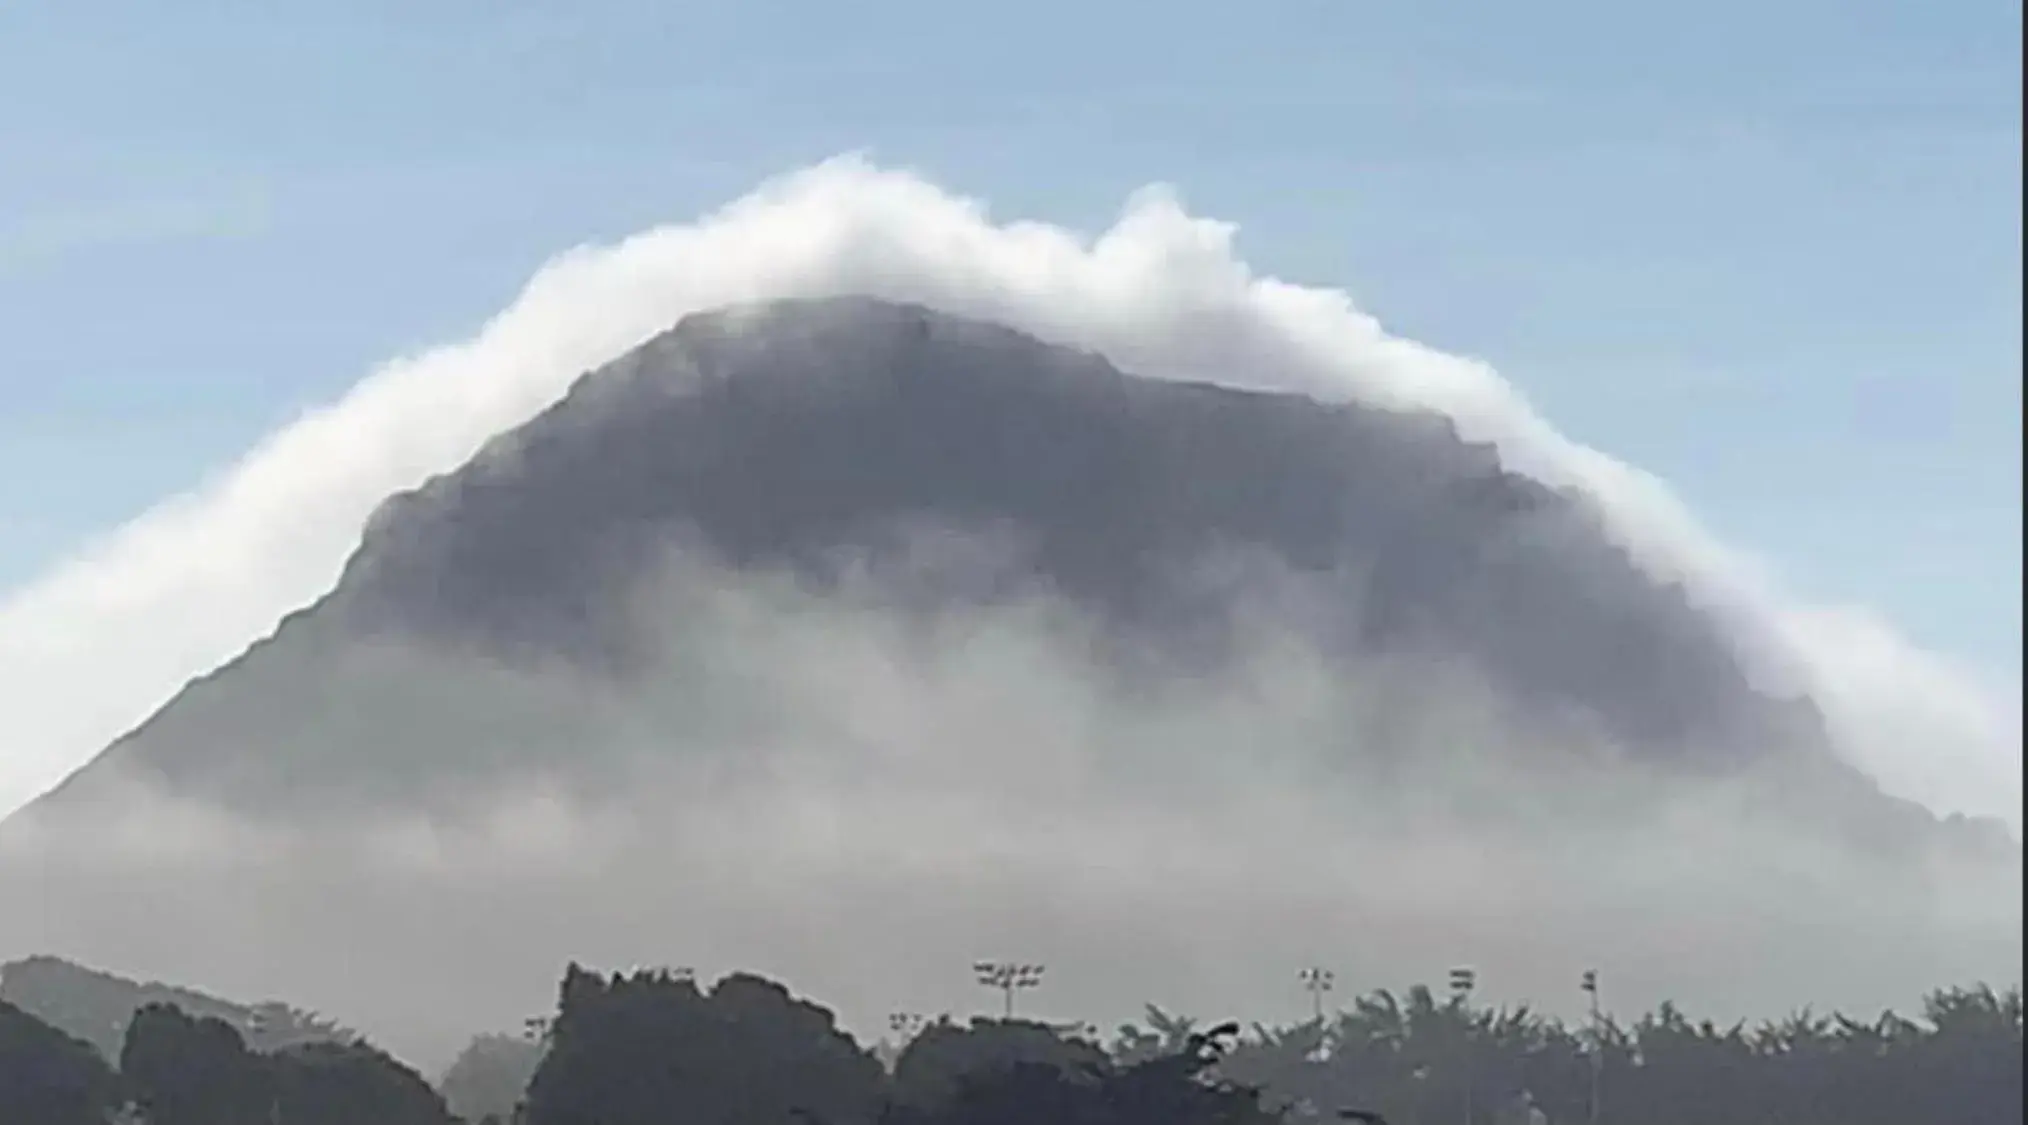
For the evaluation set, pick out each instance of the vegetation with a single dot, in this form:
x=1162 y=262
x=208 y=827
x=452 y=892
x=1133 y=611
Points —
x=179 y=1070
x=1419 y=1059
x=95 y=1006
x=49 y=1078
x=653 y=1048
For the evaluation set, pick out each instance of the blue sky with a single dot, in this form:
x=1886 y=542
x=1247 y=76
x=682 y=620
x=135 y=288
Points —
x=1771 y=252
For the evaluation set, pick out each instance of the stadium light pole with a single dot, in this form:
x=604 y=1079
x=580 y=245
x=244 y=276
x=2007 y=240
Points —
x=1317 y=981
x=1007 y=978
x=1463 y=981
x=257 y=1026
x=905 y=1025
x=1589 y=983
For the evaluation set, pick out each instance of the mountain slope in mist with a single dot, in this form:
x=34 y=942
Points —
x=850 y=642
x=824 y=438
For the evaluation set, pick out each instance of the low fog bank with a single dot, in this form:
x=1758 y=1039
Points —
x=862 y=800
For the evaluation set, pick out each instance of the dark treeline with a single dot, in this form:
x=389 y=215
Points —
x=1418 y=1059
x=652 y=1048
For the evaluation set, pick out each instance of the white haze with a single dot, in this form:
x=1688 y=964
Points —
x=863 y=804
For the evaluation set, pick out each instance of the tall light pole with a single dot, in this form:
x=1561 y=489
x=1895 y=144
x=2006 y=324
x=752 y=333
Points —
x=905 y=1025
x=1317 y=981
x=1007 y=978
x=1590 y=986
x=1463 y=980
x=258 y=1025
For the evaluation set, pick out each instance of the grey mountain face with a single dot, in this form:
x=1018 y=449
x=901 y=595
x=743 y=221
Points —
x=800 y=437
x=856 y=641
x=777 y=440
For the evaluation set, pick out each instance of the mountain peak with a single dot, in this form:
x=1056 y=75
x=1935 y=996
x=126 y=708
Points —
x=779 y=600
x=819 y=437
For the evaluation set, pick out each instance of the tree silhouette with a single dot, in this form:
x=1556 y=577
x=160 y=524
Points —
x=327 y=1083
x=656 y=1048
x=1403 y=1058
x=1172 y=1089
x=185 y=1071
x=943 y=1056
x=49 y=1078
x=624 y=1051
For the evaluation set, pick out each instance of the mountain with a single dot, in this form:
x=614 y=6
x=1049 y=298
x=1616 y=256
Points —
x=859 y=641
x=821 y=438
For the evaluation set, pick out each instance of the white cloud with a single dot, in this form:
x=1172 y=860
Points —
x=90 y=649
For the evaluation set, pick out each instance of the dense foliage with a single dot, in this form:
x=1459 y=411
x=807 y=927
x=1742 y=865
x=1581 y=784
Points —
x=1419 y=1059
x=180 y=1070
x=49 y=1078
x=655 y=1048
x=96 y=1006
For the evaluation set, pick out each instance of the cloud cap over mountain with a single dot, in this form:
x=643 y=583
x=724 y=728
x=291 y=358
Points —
x=869 y=784
x=1160 y=294
x=959 y=463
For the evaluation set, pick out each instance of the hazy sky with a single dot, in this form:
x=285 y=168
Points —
x=1771 y=252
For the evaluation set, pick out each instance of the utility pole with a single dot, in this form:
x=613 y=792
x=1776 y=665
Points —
x=1463 y=980
x=1007 y=978
x=1594 y=1108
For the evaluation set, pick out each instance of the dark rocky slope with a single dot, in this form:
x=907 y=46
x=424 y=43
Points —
x=795 y=435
